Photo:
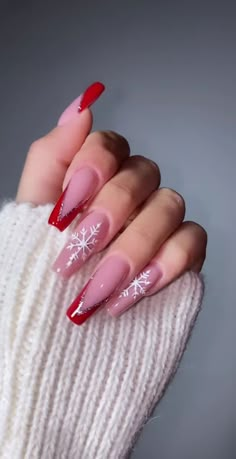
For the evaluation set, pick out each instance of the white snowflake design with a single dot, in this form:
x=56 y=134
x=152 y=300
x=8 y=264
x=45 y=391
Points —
x=83 y=242
x=138 y=286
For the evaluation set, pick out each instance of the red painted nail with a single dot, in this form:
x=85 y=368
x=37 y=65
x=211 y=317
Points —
x=71 y=313
x=57 y=220
x=84 y=100
x=90 y=95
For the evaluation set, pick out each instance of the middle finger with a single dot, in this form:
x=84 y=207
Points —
x=136 y=180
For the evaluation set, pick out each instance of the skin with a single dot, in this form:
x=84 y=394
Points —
x=141 y=213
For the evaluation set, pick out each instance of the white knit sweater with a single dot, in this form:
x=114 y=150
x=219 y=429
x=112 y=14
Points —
x=69 y=392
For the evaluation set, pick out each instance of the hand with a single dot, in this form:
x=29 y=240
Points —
x=121 y=206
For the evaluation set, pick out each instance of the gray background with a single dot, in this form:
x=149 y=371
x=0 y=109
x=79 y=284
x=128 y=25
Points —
x=170 y=73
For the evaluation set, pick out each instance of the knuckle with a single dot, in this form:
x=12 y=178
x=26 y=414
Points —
x=151 y=166
x=124 y=192
x=112 y=136
x=184 y=257
x=173 y=199
x=199 y=231
x=202 y=233
x=36 y=147
x=141 y=235
x=109 y=140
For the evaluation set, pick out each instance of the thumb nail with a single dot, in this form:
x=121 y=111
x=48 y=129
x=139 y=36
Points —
x=87 y=98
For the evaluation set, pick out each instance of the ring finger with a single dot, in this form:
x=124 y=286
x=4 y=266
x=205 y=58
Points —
x=182 y=251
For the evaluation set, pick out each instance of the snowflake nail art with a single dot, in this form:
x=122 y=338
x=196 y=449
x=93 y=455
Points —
x=83 y=242
x=138 y=286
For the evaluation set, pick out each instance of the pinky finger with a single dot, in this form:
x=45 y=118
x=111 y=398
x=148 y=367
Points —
x=184 y=250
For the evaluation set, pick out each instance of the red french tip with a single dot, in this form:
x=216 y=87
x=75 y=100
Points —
x=55 y=218
x=91 y=94
x=80 y=318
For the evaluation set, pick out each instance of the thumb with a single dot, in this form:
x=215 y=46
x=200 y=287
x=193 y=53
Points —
x=50 y=156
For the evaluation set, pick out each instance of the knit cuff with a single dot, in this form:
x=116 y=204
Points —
x=77 y=392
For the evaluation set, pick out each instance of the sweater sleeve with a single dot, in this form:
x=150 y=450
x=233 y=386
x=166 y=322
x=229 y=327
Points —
x=71 y=392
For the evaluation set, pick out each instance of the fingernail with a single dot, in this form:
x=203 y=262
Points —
x=137 y=288
x=81 y=187
x=82 y=243
x=104 y=283
x=87 y=98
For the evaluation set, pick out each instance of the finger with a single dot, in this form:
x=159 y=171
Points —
x=160 y=217
x=97 y=161
x=50 y=156
x=134 y=182
x=48 y=160
x=184 y=250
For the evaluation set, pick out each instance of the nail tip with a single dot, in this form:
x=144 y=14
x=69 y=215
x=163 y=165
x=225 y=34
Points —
x=55 y=225
x=91 y=94
x=99 y=85
x=76 y=320
x=63 y=223
x=68 y=315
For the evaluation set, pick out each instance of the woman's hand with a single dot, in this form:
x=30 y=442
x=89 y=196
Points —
x=121 y=205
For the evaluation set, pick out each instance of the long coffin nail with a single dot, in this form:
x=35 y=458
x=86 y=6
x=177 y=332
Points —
x=104 y=283
x=82 y=243
x=138 y=288
x=87 y=98
x=80 y=188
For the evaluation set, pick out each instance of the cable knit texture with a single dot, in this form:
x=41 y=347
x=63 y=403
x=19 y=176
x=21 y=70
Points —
x=71 y=392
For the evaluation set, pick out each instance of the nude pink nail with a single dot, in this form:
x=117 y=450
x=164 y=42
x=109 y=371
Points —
x=82 y=244
x=104 y=283
x=70 y=111
x=137 y=288
x=80 y=188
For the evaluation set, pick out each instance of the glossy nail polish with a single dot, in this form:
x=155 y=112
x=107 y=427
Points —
x=87 y=98
x=91 y=94
x=104 y=283
x=81 y=187
x=85 y=241
x=137 y=288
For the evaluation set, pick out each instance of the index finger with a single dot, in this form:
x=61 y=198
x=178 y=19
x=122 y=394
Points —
x=49 y=157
